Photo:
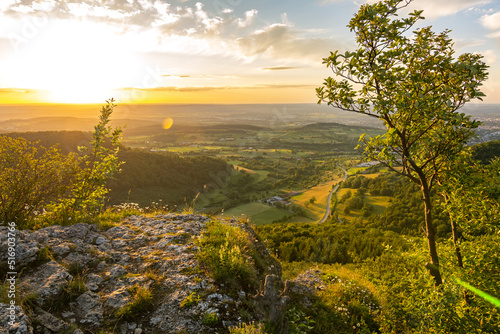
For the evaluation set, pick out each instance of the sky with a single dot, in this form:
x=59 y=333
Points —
x=201 y=51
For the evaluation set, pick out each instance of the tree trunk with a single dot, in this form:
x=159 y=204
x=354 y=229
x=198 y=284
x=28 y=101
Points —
x=454 y=232
x=455 y=243
x=432 y=266
x=458 y=254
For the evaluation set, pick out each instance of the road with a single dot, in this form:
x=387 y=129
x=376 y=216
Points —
x=327 y=213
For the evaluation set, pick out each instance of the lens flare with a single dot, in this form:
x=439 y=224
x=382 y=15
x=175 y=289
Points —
x=167 y=123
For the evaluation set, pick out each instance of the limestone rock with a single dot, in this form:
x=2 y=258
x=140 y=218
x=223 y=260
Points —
x=48 y=281
x=109 y=269
x=48 y=321
x=89 y=308
x=14 y=321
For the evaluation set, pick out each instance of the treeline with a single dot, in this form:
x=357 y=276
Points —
x=291 y=172
x=327 y=243
x=146 y=177
x=404 y=214
x=485 y=152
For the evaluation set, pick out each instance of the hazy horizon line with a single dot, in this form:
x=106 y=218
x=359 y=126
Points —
x=186 y=104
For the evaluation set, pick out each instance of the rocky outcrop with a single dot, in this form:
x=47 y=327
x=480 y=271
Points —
x=303 y=288
x=141 y=276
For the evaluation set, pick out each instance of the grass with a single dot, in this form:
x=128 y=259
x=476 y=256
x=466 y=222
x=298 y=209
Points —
x=44 y=255
x=320 y=192
x=269 y=216
x=112 y=216
x=192 y=299
x=184 y=149
x=354 y=170
x=142 y=301
x=259 y=214
x=228 y=255
x=67 y=294
x=250 y=328
x=348 y=303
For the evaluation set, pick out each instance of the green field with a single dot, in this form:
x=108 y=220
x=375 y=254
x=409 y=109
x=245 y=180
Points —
x=317 y=210
x=258 y=213
x=379 y=203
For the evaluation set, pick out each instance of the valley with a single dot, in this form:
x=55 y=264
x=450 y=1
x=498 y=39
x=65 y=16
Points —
x=282 y=160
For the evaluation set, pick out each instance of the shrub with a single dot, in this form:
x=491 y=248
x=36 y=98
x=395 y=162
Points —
x=30 y=178
x=41 y=186
x=227 y=253
x=210 y=319
x=89 y=187
x=411 y=303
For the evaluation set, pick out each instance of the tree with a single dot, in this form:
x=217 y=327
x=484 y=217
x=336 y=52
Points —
x=101 y=164
x=471 y=193
x=415 y=86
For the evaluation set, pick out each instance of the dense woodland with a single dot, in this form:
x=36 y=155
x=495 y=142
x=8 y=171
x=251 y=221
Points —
x=147 y=177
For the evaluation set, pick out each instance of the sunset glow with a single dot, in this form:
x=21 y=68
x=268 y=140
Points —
x=153 y=51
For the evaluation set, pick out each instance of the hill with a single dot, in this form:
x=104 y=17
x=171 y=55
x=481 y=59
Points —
x=485 y=152
x=146 y=176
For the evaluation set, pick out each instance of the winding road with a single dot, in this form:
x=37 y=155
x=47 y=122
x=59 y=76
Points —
x=327 y=213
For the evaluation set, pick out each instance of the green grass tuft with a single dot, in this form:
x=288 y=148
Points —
x=250 y=328
x=190 y=300
x=226 y=252
x=141 y=303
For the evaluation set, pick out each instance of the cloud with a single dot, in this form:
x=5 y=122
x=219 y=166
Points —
x=462 y=44
x=212 y=88
x=491 y=22
x=434 y=9
x=281 y=41
x=490 y=57
x=249 y=19
x=20 y=91
x=327 y=2
x=279 y=68
x=182 y=28
x=185 y=76
x=494 y=35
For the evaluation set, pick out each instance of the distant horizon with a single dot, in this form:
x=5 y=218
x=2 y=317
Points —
x=190 y=52
x=199 y=104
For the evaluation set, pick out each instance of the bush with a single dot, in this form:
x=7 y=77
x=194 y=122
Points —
x=190 y=300
x=210 y=319
x=411 y=302
x=30 y=178
x=89 y=188
x=40 y=186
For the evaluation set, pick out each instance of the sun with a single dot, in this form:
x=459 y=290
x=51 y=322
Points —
x=78 y=62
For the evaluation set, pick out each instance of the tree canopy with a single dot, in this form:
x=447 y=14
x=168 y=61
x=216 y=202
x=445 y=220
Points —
x=413 y=83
